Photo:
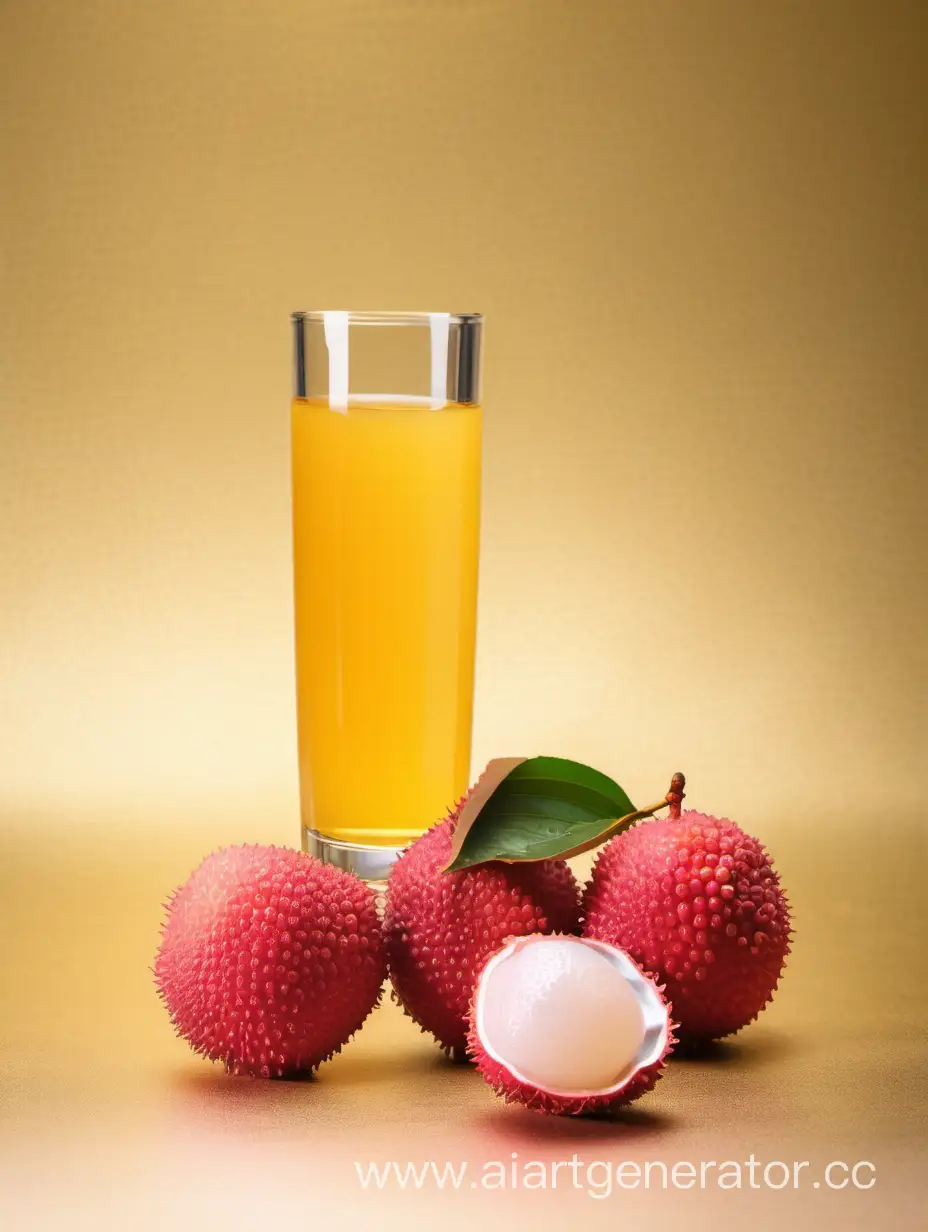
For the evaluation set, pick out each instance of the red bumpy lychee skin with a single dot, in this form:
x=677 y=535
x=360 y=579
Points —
x=440 y=927
x=269 y=960
x=514 y=1091
x=696 y=903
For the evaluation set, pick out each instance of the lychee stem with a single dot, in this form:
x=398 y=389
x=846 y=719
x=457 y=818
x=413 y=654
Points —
x=675 y=796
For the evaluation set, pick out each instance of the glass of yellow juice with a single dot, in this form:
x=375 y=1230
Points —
x=386 y=449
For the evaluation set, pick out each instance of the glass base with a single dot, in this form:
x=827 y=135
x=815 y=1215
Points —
x=369 y=863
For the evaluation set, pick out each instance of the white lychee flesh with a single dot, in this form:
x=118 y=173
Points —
x=567 y=1015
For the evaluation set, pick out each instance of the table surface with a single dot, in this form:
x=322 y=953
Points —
x=109 y=1121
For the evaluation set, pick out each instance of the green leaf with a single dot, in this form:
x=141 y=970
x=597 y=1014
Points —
x=535 y=809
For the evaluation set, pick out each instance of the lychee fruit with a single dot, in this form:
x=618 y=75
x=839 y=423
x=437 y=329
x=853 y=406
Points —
x=269 y=960
x=568 y=1025
x=440 y=927
x=697 y=903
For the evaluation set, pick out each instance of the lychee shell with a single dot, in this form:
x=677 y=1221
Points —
x=697 y=903
x=440 y=927
x=269 y=960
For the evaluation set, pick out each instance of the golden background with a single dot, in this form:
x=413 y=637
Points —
x=697 y=231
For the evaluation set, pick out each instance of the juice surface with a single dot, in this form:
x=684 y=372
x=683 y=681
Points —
x=386 y=506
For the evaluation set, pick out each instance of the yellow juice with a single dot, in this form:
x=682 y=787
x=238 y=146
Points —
x=386 y=507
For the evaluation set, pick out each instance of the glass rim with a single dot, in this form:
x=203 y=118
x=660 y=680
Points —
x=392 y=318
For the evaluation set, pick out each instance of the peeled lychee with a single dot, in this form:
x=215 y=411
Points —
x=440 y=927
x=696 y=902
x=568 y=1025
x=269 y=960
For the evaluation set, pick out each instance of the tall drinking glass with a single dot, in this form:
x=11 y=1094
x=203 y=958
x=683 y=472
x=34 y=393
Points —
x=386 y=440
